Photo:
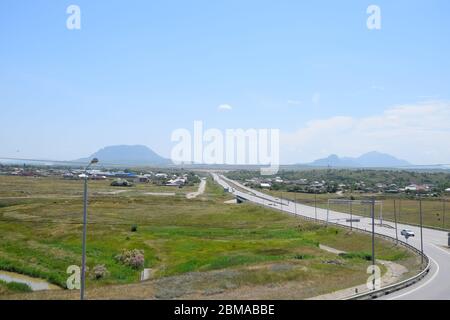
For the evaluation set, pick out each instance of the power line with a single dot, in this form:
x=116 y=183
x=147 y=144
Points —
x=329 y=167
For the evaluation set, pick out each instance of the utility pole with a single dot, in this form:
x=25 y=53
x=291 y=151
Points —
x=373 y=239
x=281 y=200
x=395 y=219
x=85 y=204
x=315 y=204
x=328 y=212
x=295 y=202
x=443 y=212
x=351 y=215
x=421 y=229
x=381 y=213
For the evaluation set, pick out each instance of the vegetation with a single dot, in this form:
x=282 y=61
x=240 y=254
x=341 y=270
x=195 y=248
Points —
x=334 y=177
x=13 y=287
x=183 y=241
x=436 y=212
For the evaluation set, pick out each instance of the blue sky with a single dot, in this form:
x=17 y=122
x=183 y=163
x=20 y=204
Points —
x=137 y=70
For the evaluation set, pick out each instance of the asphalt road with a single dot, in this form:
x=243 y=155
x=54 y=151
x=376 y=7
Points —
x=435 y=286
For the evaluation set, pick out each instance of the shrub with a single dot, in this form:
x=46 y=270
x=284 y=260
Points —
x=356 y=255
x=134 y=228
x=303 y=256
x=17 y=287
x=133 y=258
x=99 y=272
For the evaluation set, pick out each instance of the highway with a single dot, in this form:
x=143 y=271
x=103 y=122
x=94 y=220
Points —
x=434 y=286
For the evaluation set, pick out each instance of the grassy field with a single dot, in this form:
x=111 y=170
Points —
x=436 y=212
x=53 y=187
x=195 y=248
x=12 y=287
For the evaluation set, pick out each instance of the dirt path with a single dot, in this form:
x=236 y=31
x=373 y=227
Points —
x=200 y=191
x=394 y=273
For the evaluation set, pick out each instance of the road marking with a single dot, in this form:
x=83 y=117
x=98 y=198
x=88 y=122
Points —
x=269 y=198
x=442 y=249
x=422 y=285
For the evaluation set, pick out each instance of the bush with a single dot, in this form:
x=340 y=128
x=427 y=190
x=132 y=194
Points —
x=133 y=258
x=99 y=272
x=303 y=256
x=356 y=255
x=17 y=287
x=134 y=228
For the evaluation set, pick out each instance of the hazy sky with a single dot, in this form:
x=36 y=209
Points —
x=137 y=70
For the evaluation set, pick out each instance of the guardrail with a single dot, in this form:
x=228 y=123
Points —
x=390 y=288
x=384 y=290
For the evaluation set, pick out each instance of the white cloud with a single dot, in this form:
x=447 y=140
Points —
x=419 y=133
x=225 y=107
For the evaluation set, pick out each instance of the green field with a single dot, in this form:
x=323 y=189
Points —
x=55 y=187
x=436 y=212
x=195 y=248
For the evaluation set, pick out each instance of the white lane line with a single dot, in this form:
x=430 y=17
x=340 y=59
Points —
x=442 y=249
x=422 y=285
x=416 y=288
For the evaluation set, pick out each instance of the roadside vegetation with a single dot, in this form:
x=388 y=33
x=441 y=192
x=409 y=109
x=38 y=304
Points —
x=13 y=287
x=351 y=177
x=435 y=205
x=436 y=212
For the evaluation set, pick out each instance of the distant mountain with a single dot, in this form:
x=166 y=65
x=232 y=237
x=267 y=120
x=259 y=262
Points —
x=368 y=160
x=128 y=155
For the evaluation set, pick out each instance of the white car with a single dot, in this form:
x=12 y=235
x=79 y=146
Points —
x=407 y=233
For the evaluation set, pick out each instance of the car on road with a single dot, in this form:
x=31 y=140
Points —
x=407 y=233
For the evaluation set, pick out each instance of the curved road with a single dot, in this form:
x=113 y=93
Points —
x=435 y=286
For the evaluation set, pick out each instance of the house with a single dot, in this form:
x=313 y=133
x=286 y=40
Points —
x=176 y=182
x=417 y=188
x=121 y=183
x=69 y=176
x=381 y=186
x=447 y=190
x=393 y=188
x=411 y=187
x=122 y=174
x=143 y=179
x=265 y=185
x=98 y=177
x=317 y=186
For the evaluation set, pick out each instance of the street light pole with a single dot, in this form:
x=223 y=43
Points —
x=373 y=238
x=281 y=200
x=83 y=258
x=295 y=202
x=315 y=205
x=395 y=219
x=443 y=212
x=421 y=229
x=351 y=216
